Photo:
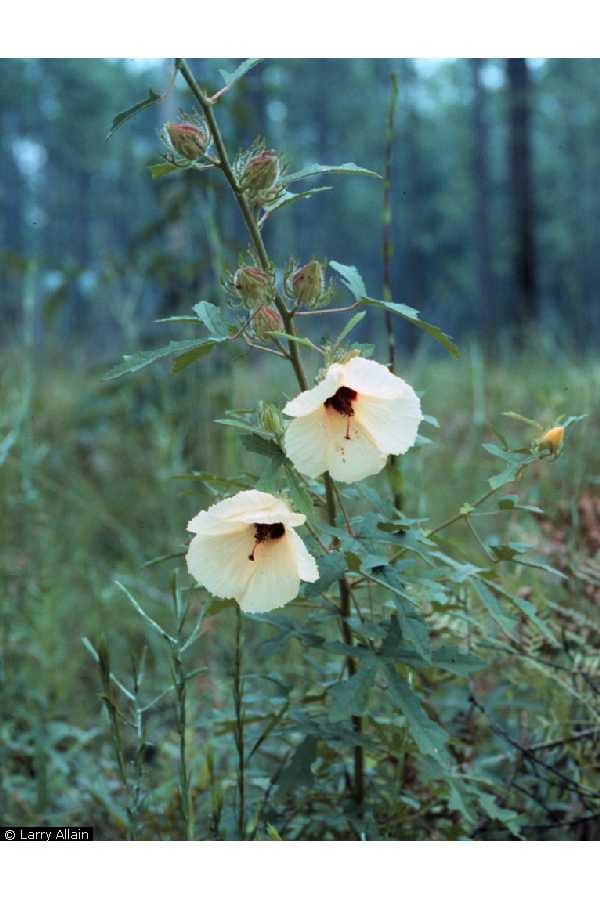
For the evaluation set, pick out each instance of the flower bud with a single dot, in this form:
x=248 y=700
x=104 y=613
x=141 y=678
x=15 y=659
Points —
x=270 y=420
x=552 y=440
x=253 y=285
x=266 y=319
x=261 y=173
x=188 y=140
x=308 y=283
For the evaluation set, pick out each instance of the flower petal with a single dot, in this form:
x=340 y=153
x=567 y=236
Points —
x=392 y=424
x=306 y=441
x=307 y=567
x=275 y=579
x=309 y=401
x=244 y=508
x=355 y=458
x=365 y=376
x=219 y=562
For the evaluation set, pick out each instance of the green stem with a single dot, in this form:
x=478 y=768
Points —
x=463 y=514
x=255 y=235
x=345 y=609
x=184 y=777
x=239 y=724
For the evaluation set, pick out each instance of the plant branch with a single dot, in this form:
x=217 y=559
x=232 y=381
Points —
x=242 y=201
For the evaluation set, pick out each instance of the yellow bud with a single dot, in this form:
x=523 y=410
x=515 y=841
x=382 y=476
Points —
x=552 y=440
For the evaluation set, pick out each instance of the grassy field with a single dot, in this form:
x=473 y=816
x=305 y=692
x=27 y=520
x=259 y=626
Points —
x=90 y=493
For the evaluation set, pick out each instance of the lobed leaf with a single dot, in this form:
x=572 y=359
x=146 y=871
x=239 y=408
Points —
x=412 y=315
x=429 y=737
x=230 y=78
x=351 y=696
x=135 y=362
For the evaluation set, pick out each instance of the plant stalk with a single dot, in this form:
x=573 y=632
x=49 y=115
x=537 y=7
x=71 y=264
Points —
x=255 y=235
x=239 y=724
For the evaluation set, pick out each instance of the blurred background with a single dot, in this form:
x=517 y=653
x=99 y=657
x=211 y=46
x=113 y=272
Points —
x=495 y=197
x=495 y=205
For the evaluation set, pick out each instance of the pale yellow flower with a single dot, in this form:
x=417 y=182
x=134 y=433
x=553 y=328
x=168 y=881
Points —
x=246 y=548
x=349 y=423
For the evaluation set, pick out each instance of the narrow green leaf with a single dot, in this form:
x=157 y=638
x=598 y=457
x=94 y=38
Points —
x=414 y=628
x=122 y=117
x=316 y=169
x=504 y=620
x=287 y=198
x=303 y=341
x=159 y=170
x=354 y=321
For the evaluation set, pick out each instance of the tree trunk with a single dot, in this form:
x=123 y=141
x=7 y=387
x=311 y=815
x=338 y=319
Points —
x=524 y=300
x=480 y=174
x=413 y=277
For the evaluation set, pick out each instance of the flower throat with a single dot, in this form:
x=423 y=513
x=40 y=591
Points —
x=342 y=403
x=266 y=533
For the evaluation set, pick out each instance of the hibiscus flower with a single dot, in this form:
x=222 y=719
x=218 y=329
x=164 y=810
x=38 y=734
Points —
x=349 y=423
x=246 y=548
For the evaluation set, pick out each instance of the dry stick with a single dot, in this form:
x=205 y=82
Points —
x=256 y=237
x=394 y=461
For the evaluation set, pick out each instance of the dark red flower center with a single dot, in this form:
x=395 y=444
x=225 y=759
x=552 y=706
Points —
x=264 y=532
x=342 y=401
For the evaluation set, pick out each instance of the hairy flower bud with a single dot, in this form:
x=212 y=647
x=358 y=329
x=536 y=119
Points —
x=253 y=285
x=269 y=418
x=552 y=440
x=266 y=319
x=261 y=173
x=308 y=283
x=188 y=140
